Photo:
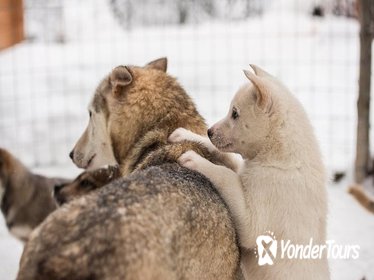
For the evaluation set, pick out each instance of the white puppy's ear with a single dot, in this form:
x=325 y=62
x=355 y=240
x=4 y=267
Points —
x=259 y=71
x=158 y=64
x=263 y=96
x=120 y=78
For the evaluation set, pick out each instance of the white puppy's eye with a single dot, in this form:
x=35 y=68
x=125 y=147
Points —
x=90 y=113
x=234 y=114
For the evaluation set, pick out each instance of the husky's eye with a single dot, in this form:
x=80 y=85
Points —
x=90 y=113
x=234 y=114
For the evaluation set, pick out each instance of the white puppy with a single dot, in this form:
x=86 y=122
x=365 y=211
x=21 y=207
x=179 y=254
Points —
x=280 y=187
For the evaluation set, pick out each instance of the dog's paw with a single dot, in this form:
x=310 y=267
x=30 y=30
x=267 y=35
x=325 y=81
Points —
x=181 y=134
x=191 y=160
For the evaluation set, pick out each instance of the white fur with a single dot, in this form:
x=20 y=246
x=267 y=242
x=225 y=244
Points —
x=12 y=212
x=94 y=148
x=21 y=232
x=281 y=185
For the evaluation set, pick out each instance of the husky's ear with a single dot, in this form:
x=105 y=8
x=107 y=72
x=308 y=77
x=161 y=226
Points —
x=263 y=96
x=158 y=64
x=259 y=71
x=119 y=78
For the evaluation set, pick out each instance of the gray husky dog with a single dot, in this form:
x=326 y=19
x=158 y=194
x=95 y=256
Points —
x=160 y=220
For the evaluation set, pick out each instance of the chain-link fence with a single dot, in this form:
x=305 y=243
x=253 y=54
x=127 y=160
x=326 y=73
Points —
x=46 y=81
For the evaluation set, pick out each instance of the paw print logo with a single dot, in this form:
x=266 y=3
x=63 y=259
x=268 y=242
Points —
x=266 y=248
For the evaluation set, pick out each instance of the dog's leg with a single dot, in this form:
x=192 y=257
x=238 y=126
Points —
x=182 y=134
x=230 y=160
x=227 y=159
x=228 y=184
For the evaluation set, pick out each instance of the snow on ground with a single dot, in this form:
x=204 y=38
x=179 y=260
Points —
x=350 y=224
x=45 y=88
x=10 y=253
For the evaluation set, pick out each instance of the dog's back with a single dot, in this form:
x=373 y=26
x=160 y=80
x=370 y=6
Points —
x=164 y=222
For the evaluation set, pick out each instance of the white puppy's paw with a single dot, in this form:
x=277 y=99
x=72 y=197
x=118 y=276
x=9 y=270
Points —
x=181 y=134
x=192 y=160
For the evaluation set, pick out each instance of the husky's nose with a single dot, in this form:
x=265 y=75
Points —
x=71 y=154
x=210 y=133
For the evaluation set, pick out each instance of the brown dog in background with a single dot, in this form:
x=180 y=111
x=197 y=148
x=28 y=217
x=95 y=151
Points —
x=25 y=198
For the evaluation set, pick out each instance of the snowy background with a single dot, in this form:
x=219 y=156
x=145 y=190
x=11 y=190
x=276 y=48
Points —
x=47 y=81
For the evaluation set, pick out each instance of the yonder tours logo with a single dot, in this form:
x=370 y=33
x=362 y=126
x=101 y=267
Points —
x=267 y=250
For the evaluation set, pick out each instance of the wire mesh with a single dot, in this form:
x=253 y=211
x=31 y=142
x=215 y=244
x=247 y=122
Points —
x=47 y=80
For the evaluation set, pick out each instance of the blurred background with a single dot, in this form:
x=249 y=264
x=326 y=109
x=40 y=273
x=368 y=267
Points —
x=66 y=47
x=47 y=80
